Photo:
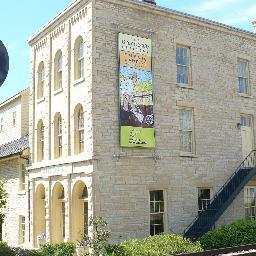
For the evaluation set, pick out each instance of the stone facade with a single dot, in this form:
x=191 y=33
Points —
x=118 y=180
x=12 y=164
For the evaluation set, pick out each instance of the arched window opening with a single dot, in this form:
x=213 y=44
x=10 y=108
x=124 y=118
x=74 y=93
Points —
x=79 y=210
x=39 y=216
x=40 y=84
x=58 y=70
x=40 y=141
x=79 y=58
x=58 y=214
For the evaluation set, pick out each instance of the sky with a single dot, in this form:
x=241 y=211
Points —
x=20 y=19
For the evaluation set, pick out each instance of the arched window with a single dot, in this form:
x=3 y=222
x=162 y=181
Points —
x=58 y=70
x=40 y=84
x=39 y=214
x=79 y=210
x=57 y=135
x=79 y=129
x=58 y=213
x=79 y=58
x=40 y=141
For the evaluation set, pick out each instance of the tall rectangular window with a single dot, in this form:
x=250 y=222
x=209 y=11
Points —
x=186 y=130
x=22 y=229
x=243 y=76
x=156 y=212
x=22 y=177
x=14 y=118
x=204 y=197
x=182 y=62
x=250 y=202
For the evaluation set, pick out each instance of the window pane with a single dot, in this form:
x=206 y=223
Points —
x=182 y=56
x=156 y=224
x=182 y=75
x=203 y=198
x=243 y=85
x=156 y=212
x=186 y=141
x=245 y=121
x=81 y=50
x=186 y=119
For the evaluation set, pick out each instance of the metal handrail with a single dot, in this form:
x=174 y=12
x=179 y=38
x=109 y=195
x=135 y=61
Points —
x=241 y=166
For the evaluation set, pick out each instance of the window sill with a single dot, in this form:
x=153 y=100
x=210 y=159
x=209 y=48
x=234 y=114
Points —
x=40 y=100
x=187 y=154
x=58 y=91
x=186 y=86
x=245 y=95
x=78 y=81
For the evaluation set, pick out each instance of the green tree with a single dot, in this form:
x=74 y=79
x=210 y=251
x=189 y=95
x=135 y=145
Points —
x=3 y=200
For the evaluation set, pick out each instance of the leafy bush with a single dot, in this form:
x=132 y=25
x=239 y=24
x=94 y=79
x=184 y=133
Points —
x=238 y=233
x=161 y=245
x=98 y=242
x=6 y=250
x=61 y=249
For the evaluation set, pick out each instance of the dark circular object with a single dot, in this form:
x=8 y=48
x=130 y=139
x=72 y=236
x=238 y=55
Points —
x=4 y=63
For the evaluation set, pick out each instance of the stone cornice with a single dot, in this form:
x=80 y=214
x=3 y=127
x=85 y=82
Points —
x=41 y=44
x=58 y=31
x=58 y=20
x=78 y=16
x=135 y=4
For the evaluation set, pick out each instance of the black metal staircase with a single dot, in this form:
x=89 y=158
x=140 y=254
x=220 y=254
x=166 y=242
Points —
x=223 y=198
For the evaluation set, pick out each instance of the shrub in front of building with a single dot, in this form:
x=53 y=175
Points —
x=160 y=245
x=6 y=250
x=241 y=232
x=61 y=249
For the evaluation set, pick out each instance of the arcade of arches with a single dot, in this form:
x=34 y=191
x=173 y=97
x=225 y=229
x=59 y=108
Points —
x=66 y=216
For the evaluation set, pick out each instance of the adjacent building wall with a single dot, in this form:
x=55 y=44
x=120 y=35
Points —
x=124 y=183
x=19 y=105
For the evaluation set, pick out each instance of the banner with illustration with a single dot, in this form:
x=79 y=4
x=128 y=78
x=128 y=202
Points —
x=136 y=92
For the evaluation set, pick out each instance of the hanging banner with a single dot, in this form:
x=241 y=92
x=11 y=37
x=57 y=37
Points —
x=136 y=92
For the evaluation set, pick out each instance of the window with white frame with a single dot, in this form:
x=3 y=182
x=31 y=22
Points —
x=186 y=130
x=245 y=120
x=57 y=135
x=22 y=229
x=58 y=70
x=204 y=197
x=79 y=129
x=157 y=211
x=40 y=84
x=183 y=64
x=22 y=176
x=14 y=118
x=79 y=58
x=40 y=141
x=243 y=76
x=250 y=202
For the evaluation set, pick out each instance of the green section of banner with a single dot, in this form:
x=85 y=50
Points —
x=137 y=137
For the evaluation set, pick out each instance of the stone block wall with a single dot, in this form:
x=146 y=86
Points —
x=125 y=183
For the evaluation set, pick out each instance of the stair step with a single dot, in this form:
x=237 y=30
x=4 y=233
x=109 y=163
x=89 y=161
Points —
x=225 y=196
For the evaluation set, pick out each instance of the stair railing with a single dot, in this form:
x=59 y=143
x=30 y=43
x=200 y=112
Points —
x=248 y=162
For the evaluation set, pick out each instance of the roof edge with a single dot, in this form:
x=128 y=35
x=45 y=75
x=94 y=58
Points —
x=12 y=98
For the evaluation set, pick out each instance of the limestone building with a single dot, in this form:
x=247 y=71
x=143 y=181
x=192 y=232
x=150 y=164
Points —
x=91 y=83
x=14 y=158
